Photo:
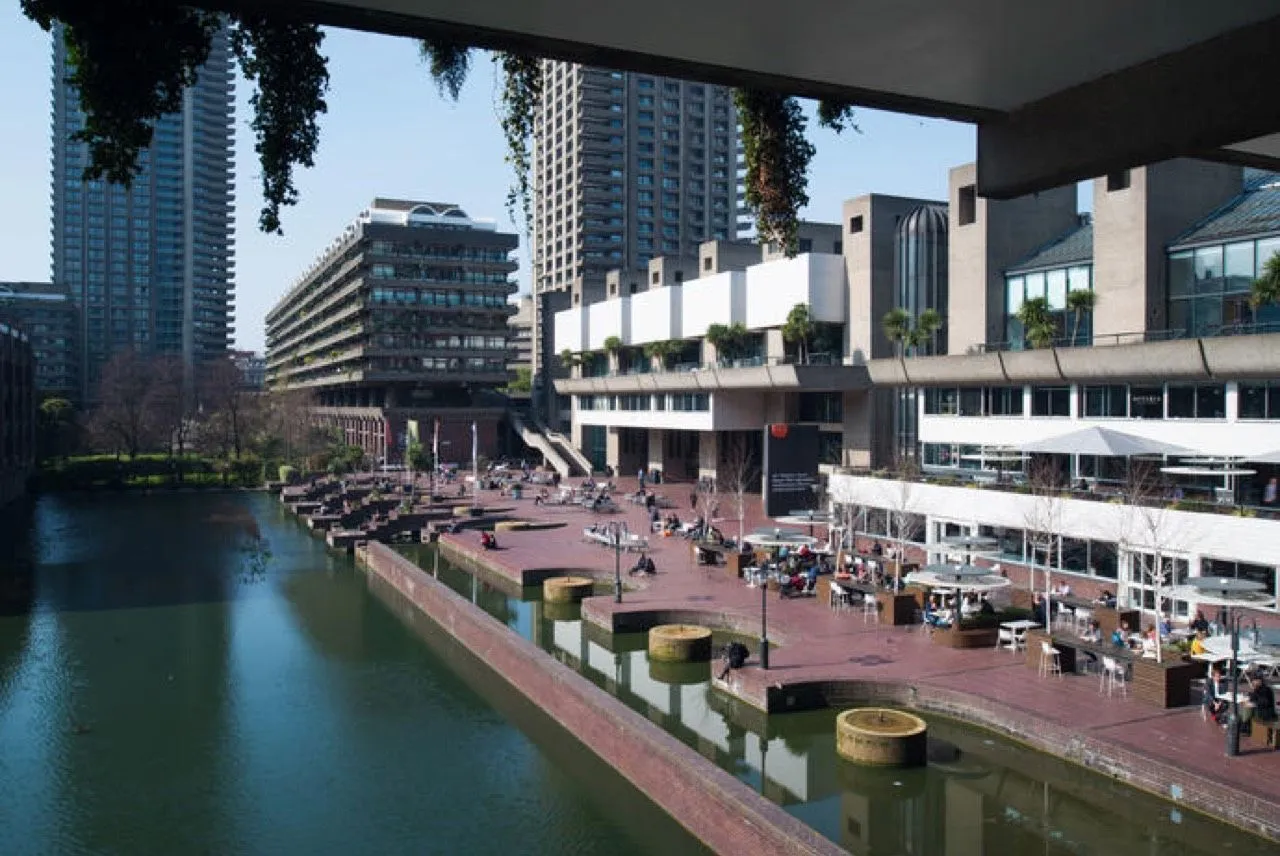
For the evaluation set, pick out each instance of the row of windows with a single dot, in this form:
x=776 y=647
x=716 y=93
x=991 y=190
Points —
x=428 y=297
x=1259 y=400
x=403 y=341
x=444 y=252
x=1209 y=287
x=679 y=402
x=432 y=273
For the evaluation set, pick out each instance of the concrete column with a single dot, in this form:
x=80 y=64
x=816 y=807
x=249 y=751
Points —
x=611 y=449
x=708 y=454
x=655 y=449
x=774 y=346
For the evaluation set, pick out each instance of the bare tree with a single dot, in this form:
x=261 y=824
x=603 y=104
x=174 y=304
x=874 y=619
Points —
x=709 y=499
x=1042 y=520
x=168 y=408
x=228 y=408
x=903 y=523
x=122 y=420
x=847 y=511
x=738 y=474
x=1146 y=536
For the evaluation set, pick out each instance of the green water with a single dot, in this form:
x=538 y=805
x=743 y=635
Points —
x=980 y=795
x=158 y=695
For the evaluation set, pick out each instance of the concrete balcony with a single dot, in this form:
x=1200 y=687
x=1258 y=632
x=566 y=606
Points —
x=777 y=376
x=1222 y=358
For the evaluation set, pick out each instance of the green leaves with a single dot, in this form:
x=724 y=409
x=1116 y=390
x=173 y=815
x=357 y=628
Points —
x=449 y=63
x=799 y=329
x=132 y=60
x=1038 y=322
x=777 y=156
x=1266 y=288
x=130 y=63
x=284 y=60
x=521 y=94
x=1079 y=302
x=836 y=115
x=899 y=328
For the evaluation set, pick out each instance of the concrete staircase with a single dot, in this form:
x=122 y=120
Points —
x=534 y=438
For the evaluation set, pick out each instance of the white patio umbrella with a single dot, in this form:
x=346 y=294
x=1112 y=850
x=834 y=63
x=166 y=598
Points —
x=1264 y=458
x=1107 y=442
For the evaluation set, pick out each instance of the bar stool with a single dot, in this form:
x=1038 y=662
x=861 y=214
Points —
x=1083 y=618
x=1113 y=676
x=870 y=608
x=1050 y=662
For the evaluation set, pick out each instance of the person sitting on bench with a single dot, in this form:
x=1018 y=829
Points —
x=1262 y=704
x=488 y=540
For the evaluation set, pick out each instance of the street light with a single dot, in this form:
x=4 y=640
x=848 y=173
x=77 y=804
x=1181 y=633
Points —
x=1228 y=592
x=615 y=531
x=764 y=624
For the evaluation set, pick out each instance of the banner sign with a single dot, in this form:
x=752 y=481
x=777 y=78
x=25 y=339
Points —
x=790 y=468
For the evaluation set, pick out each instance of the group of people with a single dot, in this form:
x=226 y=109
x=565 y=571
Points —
x=1259 y=705
x=940 y=609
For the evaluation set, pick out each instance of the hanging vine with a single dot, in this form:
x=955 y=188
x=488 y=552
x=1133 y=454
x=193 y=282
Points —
x=285 y=62
x=777 y=156
x=836 y=115
x=448 y=62
x=521 y=94
x=130 y=62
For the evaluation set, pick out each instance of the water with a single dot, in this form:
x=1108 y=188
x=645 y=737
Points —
x=168 y=688
x=980 y=795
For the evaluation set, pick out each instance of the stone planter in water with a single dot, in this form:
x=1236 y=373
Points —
x=566 y=589
x=882 y=737
x=680 y=643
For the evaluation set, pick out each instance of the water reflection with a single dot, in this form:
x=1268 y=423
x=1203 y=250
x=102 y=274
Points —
x=156 y=697
x=980 y=794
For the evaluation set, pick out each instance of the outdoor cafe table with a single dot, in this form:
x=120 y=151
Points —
x=1108 y=617
x=1161 y=684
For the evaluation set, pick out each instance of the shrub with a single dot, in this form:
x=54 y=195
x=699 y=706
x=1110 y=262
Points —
x=288 y=474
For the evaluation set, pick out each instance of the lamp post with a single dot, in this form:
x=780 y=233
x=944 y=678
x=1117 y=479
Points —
x=764 y=624
x=1227 y=592
x=615 y=531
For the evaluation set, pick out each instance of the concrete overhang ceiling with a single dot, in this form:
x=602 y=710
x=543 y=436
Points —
x=1060 y=91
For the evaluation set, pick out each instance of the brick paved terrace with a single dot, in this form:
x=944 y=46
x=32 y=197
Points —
x=852 y=658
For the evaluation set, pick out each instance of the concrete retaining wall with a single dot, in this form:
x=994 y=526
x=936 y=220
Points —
x=1110 y=759
x=722 y=812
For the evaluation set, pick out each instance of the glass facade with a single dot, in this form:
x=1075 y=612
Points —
x=1209 y=288
x=149 y=266
x=1053 y=285
x=920 y=283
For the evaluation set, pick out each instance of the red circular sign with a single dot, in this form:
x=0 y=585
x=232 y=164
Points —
x=779 y=432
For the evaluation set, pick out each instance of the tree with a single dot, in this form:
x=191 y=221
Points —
x=663 y=351
x=612 y=345
x=169 y=408
x=228 y=408
x=903 y=523
x=131 y=63
x=1146 y=536
x=523 y=381
x=908 y=335
x=799 y=330
x=896 y=325
x=57 y=418
x=122 y=418
x=1266 y=288
x=1080 y=301
x=1038 y=325
x=1042 y=518
x=569 y=359
x=738 y=473
x=729 y=340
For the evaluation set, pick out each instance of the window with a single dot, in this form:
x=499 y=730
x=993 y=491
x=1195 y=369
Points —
x=1104 y=401
x=706 y=263
x=1050 y=401
x=1117 y=181
x=1004 y=401
x=1258 y=401
x=1188 y=401
x=967 y=209
x=1146 y=402
x=855 y=224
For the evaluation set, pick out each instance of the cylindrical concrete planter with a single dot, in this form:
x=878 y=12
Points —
x=680 y=643
x=882 y=737
x=566 y=589
x=511 y=526
x=679 y=674
x=467 y=511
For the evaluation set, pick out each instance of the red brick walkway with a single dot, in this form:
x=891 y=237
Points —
x=816 y=643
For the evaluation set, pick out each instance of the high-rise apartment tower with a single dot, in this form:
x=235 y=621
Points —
x=150 y=266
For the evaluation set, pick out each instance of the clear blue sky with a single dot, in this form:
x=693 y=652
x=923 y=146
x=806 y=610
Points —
x=388 y=133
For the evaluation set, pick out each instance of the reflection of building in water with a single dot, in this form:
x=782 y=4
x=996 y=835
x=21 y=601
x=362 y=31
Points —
x=794 y=768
